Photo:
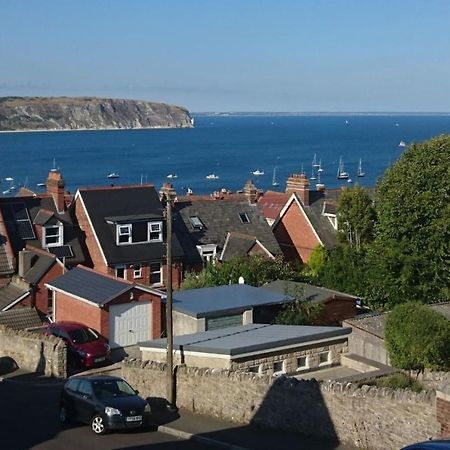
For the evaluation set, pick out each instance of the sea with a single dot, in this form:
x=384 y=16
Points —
x=231 y=147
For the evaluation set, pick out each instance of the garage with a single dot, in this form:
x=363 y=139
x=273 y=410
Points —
x=130 y=323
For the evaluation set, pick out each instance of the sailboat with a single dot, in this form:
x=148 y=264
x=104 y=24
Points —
x=314 y=162
x=319 y=186
x=314 y=166
x=341 y=173
x=274 y=178
x=360 y=172
x=402 y=144
x=319 y=169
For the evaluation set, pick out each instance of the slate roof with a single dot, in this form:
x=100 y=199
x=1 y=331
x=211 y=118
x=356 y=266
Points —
x=237 y=244
x=21 y=318
x=39 y=210
x=6 y=267
x=220 y=300
x=236 y=341
x=310 y=293
x=125 y=204
x=220 y=217
x=272 y=203
x=40 y=264
x=10 y=293
x=90 y=285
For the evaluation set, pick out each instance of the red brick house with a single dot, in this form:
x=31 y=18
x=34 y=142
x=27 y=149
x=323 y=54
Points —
x=125 y=233
x=122 y=311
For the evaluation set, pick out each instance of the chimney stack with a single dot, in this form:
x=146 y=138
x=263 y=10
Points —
x=299 y=184
x=250 y=191
x=167 y=191
x=55 y=187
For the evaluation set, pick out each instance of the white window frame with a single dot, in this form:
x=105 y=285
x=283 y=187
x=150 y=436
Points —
x=159 y=230
x=306 y=366
x=124 y=271
x=328 y=361
x=60 y=236
x=137 y=272
x=208 y=252
x=246 y=217
x=119 y=233
x=150 y=272
x=279 y=372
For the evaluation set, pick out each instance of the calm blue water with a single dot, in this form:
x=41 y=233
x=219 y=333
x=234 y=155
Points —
x=229 y=146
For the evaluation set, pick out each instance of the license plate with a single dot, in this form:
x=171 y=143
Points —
x=134 y=418
x=100 y=359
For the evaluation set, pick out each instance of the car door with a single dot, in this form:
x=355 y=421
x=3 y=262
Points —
x=85 y=402
x=69 y=396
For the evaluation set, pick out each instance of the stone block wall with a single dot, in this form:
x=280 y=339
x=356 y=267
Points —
x=368 y=417
x=34 y=352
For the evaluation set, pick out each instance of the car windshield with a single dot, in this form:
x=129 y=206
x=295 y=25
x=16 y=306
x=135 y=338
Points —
x=112 y=388
x=82 y=335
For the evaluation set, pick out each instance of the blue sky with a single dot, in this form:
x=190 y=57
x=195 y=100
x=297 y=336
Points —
x=233 y=55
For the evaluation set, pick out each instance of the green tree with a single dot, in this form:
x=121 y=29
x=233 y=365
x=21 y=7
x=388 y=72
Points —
x=316 y=262
x=417 y=337
x=356 y=216
x=410 y=257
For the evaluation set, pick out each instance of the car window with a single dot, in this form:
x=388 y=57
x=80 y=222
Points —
x=82 y=335
x=85 y=387
x=72 y=384
x=112 y=388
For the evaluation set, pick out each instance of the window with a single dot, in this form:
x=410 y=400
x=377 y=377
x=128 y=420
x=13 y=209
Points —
x=155 y=273
x=52 y=236
x=137 y=271
x=278 y=368
x=196 y=223
x=207 y=252
x=155 y=232
x=244 y=217
x=72 y=384
x=85 y=388
x=324 y=358
x=121 y=272
x=124 y=234
x=49 y=301
x=302 y=363
x=254 y=369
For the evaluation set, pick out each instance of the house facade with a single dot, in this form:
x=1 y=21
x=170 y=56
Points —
x=126 y=234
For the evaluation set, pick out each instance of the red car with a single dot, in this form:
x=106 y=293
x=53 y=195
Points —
x=85 y=347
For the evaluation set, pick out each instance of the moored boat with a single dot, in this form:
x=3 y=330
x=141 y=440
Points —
x=113 y=175
x=341 y=173
x=212 y=176
x=360 y=172
x=258 y=172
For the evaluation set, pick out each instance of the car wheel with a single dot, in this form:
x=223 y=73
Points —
x=98 y=425
x=63 y=419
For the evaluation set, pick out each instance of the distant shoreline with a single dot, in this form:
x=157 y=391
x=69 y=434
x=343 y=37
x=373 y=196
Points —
x=52 y=130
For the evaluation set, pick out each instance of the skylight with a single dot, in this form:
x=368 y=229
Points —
x=244 y=217
x=196 y=222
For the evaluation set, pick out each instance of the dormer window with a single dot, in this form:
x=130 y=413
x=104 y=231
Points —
x=244 y=217
x=52 y=236
x=124 y=234
x=155 y=233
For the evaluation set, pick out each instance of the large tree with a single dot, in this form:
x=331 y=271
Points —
x=410 y=257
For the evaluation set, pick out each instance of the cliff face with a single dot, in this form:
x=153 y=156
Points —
x=68 y=113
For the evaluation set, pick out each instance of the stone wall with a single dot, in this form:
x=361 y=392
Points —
x=443 y=412
x=435 y=379
x=368 y=417
x=34 y=352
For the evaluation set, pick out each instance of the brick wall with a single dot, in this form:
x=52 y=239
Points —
x=443 y=412
x=368 y=417
x=335 y=311
x=34 y=352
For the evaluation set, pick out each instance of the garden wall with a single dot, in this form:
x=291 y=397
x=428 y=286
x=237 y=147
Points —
x=368 y=417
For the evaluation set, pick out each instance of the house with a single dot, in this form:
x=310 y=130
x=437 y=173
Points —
x=197 y=310
x=223 y=226
x=257 y=348
x=367 y=338
x=307 y=219
x=39 y=222
x=125 y=231
x=27 y=287
x=121 y=311
x=336 y=306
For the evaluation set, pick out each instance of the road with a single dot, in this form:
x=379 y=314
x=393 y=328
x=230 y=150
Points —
x=29 y=420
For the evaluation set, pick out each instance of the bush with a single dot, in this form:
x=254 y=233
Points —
x=397 y=381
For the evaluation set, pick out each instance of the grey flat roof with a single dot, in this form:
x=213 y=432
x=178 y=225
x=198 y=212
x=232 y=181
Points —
x=236 y=341
x=89 y=285
x=230 y=299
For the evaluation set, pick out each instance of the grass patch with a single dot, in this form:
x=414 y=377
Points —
x=397 y=381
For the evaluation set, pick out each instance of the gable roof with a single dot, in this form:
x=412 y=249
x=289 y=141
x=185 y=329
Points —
x=309 y=292
x=239 y=340
x=219 y=218
x=272 y=203
x=229 y=299
x=40 y=265
x=240 y=244
x=22 y=214
x=10 y=294
x=93 y=287
x=21 y=318
x=125 y=204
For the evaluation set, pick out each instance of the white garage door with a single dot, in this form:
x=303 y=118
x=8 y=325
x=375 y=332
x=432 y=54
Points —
x=130 y=323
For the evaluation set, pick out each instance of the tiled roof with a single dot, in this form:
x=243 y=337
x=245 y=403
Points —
x=21 y=318
x=40 y=264
x=229 y=299
x=308 y=292
x=10 y=293
x=237 y=244
x=235 y=341
x=6 y=267
x=90 y=285
x=272 y=203
x=219 y=218
x=105 y=206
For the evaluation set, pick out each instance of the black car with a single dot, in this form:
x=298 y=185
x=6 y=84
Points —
x=106 y=403
x=430 y=445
